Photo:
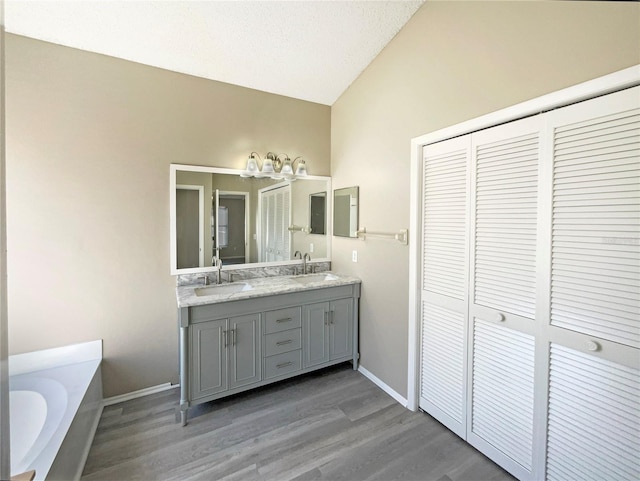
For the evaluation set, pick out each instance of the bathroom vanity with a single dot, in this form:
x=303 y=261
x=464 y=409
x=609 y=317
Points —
x=241 y=335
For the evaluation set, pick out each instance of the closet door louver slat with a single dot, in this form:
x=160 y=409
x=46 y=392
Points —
x=445 y=278
x=502 y=391
x=593 y=423
x=443 y=338
x=445 y=223
x=506 y=223
x=596 y=227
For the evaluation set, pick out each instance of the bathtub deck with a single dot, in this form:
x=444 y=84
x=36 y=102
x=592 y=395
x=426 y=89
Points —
x=334 y=424
x=72 y=403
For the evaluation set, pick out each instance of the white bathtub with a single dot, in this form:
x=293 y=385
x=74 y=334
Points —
x=56 y=403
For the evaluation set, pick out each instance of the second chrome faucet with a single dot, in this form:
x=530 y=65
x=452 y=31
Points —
x=304 y=259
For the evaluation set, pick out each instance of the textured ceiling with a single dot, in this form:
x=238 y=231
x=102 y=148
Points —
x=310 y=50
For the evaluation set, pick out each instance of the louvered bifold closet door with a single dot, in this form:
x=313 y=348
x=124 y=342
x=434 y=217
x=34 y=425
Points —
x=279 y=227
x=504 y=184
x=596 y=218
x=286 y=222
x=594 y=412
x=594 y=326
x=444 y=282
x=266 y=226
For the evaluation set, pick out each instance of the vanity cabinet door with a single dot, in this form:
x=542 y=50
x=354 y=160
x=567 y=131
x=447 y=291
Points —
x=341 y=328
x=209 y=358
x=315 y=320
x=244 y=350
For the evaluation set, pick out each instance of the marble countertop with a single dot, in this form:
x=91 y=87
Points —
x=260 y=287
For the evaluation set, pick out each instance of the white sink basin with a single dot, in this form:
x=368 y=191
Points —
x=313 y=278
x=221 y=289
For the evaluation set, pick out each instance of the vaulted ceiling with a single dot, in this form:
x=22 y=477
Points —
x=310 y=50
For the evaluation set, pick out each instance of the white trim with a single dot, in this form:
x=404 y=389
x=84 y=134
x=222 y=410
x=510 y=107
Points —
x=593 y=88
x=415 y=228
x=138 y=394
x=382 y=385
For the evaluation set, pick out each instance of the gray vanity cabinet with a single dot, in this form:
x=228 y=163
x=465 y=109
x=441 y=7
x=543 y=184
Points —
x=244 y=351
x=316 y=333
x=232 y=346
x=328 y=331
x=209 y=358
x=340 y=329
x=225 y=355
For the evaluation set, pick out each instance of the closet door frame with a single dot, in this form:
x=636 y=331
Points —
x=622 y=79
x=541 y=328
x=619 y=80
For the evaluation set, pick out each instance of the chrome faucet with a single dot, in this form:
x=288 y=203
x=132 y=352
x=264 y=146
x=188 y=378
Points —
x=297 y=255
x=205 y=279
x=218 y=265
x=306 y=258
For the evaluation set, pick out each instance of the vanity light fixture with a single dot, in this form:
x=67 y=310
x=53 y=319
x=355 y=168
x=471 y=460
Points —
x=268 y=169
x=252 y=166
x=274 y=167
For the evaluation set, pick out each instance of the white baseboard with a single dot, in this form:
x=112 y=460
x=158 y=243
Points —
x=378 y=382
x=136 y=394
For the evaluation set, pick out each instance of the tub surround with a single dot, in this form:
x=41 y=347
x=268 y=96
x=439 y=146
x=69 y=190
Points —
x=278 y=327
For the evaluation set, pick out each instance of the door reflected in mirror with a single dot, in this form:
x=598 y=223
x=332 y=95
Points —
x=345 y=212
x=318 y=213
x=218 y=214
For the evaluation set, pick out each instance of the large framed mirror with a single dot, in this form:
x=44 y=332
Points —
x=245 y=222
x=345 y=212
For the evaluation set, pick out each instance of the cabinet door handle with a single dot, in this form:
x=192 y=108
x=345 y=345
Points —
x=282 y=343
x=333 y=316
x=284 y=364
x=286 y=319
x=233 y=337
x=224 y=335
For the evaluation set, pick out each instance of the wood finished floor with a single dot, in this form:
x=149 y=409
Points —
x=329 y=425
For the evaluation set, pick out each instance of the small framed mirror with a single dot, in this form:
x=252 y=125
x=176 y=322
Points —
x=318 y=213
x=345 y=212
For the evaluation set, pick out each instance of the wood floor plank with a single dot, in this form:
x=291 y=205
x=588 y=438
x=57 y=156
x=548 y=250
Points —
x=329 y=425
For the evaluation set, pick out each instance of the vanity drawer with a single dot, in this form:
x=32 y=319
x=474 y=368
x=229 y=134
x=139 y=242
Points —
x=282 y=319
x=283 y=341
x=282 y=363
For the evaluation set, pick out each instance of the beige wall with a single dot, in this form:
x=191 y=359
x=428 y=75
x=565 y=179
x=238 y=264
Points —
x=453 y=61
x=89 y=143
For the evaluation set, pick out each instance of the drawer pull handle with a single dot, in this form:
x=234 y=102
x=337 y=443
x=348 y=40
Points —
x=282 y=343
x=284 y=364
x=286 y=319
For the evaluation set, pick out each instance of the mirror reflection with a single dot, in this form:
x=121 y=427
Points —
x=345 y=212
x=318 y=213
x=245 y=220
